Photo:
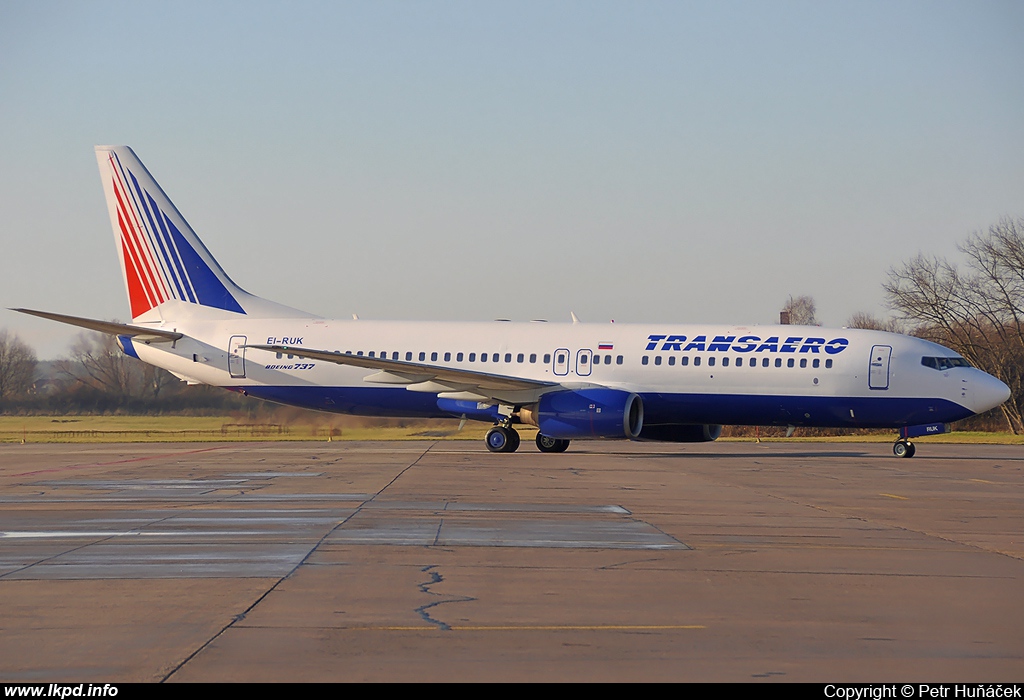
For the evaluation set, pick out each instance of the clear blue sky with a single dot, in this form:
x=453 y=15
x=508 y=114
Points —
x=642 y=161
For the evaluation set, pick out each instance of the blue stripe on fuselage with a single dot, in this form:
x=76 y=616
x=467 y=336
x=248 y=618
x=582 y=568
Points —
x=809 y=411
x=360 y=401
x=659 y=409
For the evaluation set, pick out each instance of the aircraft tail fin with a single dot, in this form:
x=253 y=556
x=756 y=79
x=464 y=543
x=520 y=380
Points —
x=162 y=259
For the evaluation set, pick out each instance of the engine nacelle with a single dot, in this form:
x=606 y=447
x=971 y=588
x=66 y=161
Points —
x=603 y=413
x=681 y=433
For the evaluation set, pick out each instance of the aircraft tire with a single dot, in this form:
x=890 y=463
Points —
x=904 y=448
x=501 y=439
x=550 y=444
x=513 y=440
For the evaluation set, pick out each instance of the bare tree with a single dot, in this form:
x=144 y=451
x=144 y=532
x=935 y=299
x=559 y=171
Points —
x=801 y=311
x=155 y=380
x=862 y=319
x=977 y=311
x=17 y=365
x=96 y=362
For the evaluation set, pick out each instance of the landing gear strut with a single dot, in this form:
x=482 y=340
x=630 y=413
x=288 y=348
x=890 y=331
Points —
x=903 y=448
x=550 y=444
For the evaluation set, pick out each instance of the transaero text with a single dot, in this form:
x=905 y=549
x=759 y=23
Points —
x=746 y=343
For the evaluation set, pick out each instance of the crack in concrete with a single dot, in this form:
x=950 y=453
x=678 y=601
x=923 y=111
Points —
x=422 y=611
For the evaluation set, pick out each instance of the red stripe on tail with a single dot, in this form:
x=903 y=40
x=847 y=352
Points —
x=136 y=296
x=149 y=280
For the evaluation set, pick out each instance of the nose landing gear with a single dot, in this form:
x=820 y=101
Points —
x=903 y=448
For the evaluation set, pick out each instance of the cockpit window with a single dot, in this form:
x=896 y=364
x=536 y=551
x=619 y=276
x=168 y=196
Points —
x=944 y=363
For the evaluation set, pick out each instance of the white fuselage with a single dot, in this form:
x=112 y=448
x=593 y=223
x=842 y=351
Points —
x=798 y=375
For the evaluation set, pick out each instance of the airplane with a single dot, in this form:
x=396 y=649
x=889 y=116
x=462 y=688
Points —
x=656 y=382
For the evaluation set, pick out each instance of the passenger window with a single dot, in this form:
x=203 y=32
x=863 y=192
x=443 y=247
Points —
x=472 y=357
x=423 y=356
x=643 y=360
x=483 y=357
x=280 y=355
x=711 y=362
x=739 y=361
x=803 y=361
x=495 y=357
x=520 y=358
x=433 y=357
x=657 y=359
x=618 y=360
x=533 y=358
x=508 y=357
x=458 y=357
x=394 y=355
x=360 y=353
x=696 y=361
x=447 y=357
x=583 y=359
x=547 y=358
x=725 y=362
x=828 y=364
x=408 y=357
x=671 y=360
x=790 y=362
x=684 y=360
x=371 y=354
x=778 y=362
x=816 y=364
x=561 y=358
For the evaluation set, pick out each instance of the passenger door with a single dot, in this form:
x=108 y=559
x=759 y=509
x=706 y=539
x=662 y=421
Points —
x=878 y=371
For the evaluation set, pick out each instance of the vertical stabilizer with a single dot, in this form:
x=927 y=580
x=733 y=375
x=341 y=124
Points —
x=162 y=258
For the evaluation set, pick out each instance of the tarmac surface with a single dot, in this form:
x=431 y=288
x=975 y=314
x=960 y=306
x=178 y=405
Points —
x=438 y=561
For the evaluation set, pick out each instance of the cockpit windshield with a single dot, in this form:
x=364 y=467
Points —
x=944 y=363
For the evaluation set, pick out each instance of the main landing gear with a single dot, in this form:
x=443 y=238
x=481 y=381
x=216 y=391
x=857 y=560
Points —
x=504 y=438
x=903 y=448
x=550 y=444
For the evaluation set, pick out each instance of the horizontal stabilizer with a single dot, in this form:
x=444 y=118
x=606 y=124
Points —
x=145 y=335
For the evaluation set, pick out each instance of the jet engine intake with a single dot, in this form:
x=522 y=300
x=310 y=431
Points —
x=605 y=413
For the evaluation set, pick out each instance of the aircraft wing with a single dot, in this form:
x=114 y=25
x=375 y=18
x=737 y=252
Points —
x=146 y=335
x=429 y=378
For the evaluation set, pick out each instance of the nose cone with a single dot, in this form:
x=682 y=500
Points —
x=986 y=393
